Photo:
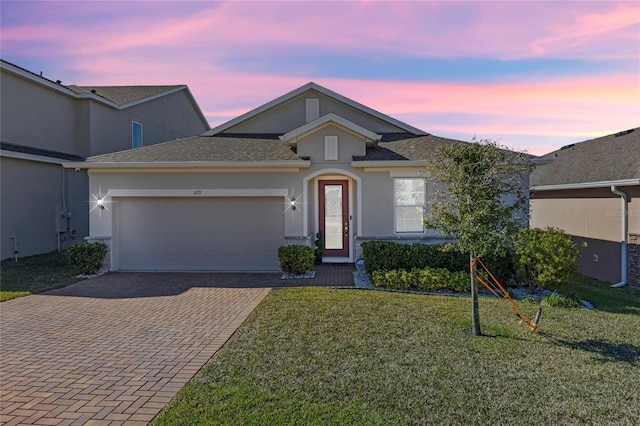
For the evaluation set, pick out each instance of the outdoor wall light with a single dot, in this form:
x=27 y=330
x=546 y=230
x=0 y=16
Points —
x=293 y=203
x=100 y=203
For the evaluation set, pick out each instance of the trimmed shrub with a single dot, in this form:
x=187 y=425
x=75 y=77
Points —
x=545 y=257
x=388 y=256
x=425 y=279
x=87 y=256
x=296 y=259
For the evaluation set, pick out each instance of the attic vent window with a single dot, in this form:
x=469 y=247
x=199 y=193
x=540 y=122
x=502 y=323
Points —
x=331 y=148
x=312 y=109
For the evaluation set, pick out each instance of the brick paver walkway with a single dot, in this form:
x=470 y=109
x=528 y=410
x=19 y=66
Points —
x=115 y=349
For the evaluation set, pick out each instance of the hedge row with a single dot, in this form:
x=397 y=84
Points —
x=426 y=279
x=389 y=256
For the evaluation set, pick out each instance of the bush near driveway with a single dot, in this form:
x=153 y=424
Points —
x=296 y=259
x=87 y=256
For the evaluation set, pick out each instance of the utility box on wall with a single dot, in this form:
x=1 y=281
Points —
x=61 y=219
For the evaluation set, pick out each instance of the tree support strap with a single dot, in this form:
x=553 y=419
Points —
x=494 y=286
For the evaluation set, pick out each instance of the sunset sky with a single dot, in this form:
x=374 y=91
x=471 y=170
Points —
x=532 y=75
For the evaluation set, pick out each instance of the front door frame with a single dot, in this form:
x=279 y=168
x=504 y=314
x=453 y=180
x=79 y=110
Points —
x=328 y=254
x=310 y=184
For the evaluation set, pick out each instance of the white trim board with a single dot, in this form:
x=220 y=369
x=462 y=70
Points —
x=32 y=157
x=327 y=119
x=586 y=185
x=198 y=192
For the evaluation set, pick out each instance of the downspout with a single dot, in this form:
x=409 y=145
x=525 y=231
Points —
x=624 y=199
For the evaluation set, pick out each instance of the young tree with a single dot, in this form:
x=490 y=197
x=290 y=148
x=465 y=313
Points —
x=483 y=202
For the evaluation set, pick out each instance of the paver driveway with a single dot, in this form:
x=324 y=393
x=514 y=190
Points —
x=117 y=348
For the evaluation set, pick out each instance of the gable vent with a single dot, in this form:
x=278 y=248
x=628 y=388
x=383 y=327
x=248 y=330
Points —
x=331 y=148
x=312 y=109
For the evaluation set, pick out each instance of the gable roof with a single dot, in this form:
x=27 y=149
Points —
x=306 y=88
x=123 y=95
x=117 y=97
x=600 y=162
x=209 y=151
x=331 y=118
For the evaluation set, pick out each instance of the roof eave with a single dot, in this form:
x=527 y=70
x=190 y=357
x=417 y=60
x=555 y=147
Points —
x=187 y=164
x=586 y=185
x=381 y=164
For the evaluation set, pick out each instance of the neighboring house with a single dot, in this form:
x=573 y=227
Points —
x=311 y=161
x=43 y=124
x=591 y=190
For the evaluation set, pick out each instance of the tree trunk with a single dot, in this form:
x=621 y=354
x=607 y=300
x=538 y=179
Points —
x=475 y=314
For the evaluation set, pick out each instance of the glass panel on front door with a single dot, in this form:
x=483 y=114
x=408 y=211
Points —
x=333 y=217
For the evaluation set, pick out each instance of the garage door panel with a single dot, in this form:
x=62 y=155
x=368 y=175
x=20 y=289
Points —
x=199 y=263
x=200 y=234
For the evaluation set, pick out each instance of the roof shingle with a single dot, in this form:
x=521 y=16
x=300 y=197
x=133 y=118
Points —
x=204 y=149
x=411 y=149
x=122 y=95
x=609 y=158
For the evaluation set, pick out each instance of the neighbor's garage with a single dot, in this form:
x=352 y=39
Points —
x=199 y=234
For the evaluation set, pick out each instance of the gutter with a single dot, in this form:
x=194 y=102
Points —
x=624 y=227
x=389 y=163
x=585 y=185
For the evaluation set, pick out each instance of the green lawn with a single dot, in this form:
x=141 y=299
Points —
x=331 y=357
x=35 y=274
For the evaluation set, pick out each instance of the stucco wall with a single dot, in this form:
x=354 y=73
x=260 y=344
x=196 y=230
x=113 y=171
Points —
x=348 y=145
x=30 y=193
x=593 y=216
x=594 y=213
x=373 y=189
x=34 y=116
x=164 y=119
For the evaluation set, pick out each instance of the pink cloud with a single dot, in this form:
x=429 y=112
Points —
x=506 y=30
x=177 y=45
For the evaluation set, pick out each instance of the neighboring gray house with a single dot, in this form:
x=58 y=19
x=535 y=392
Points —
x=591 y=190
x=44 y=124
x=307 y=162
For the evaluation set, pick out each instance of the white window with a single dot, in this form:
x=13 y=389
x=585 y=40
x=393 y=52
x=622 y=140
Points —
x=136 y=135
x=409 y=194
x=330 y=147
x=312 y=109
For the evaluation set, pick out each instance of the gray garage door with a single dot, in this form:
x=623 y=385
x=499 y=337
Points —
x=199 y=234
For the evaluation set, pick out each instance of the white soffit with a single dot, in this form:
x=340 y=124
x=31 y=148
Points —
x=326 y=119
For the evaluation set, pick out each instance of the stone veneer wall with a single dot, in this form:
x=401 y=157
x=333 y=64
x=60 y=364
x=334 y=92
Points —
x=634 y=260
